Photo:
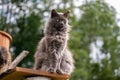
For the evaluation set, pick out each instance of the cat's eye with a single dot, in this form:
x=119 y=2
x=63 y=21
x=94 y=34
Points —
x=65 y=22
x=57 y=20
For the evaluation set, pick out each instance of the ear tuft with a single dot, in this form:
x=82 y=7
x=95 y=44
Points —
x=53 y=13
x=66 y=13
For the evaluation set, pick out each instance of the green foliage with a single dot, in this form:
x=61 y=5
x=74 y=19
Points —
x=27 y=36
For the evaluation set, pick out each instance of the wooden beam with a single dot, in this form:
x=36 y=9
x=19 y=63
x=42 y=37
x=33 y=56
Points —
x=20 y=73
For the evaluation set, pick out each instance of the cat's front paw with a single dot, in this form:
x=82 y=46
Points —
x=60 y=71
x=51 y=70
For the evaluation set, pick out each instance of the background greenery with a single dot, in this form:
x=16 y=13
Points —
x=94 y=27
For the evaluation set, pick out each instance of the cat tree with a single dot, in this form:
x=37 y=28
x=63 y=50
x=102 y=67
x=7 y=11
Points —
x=19 y=73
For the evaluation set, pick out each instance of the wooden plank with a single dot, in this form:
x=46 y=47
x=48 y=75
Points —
x=20 y=73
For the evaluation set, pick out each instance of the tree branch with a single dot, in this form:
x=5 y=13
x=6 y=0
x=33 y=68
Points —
x=18 y=59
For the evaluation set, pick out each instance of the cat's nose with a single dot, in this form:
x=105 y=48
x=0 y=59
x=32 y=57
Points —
x=61 y=23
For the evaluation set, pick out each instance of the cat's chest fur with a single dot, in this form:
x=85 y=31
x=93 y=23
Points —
x=56 y=42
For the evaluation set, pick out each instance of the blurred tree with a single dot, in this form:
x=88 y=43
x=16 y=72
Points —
x=96 y=27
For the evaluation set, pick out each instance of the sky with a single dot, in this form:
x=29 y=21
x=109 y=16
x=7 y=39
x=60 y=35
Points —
x=115 y=4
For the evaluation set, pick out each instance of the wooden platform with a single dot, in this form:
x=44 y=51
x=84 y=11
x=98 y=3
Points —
x=20 y=73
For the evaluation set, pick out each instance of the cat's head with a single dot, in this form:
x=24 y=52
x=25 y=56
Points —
x=59 y=20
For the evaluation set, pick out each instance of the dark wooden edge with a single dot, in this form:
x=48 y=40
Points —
x=31 y=72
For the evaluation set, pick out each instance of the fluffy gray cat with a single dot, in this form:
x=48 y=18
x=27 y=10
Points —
x=52 y=54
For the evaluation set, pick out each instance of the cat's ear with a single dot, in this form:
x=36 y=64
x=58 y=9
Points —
x=53 y=13
x=66 y=14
